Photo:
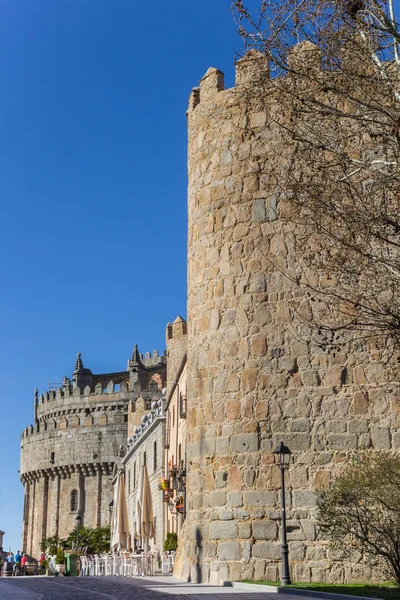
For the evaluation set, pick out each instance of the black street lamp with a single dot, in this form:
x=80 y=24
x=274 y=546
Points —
x=78 y=521
x=282 y=456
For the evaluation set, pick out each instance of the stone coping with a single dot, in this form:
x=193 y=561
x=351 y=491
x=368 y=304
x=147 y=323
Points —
x=293 y=591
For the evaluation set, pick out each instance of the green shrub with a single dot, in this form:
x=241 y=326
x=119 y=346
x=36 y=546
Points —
x=171 y=542
x=60 y=557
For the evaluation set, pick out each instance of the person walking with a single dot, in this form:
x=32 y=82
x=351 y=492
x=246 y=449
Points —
x=17 y=563
x=24 y=560
x=9 y=564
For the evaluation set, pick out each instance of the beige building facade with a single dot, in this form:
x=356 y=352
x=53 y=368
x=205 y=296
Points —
x=146 y=447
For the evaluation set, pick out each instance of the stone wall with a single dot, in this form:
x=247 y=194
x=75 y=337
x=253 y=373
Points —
x=254 y=377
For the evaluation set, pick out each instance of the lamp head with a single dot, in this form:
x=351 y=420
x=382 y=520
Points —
x=282 y=455
x=78 y=520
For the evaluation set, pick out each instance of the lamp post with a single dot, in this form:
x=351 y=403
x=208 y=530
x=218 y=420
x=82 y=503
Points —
x=282 y=456
x=78 y=521
x=110 y=511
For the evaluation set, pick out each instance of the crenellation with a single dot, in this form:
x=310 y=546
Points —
x=252 y=65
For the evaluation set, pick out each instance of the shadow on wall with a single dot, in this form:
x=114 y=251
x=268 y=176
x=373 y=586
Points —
x=198 y=552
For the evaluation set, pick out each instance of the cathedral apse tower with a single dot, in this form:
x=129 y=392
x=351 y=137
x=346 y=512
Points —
x=68 y=454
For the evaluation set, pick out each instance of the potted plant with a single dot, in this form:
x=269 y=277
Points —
x=60 y=561
x=42 y=567
x=171 y=542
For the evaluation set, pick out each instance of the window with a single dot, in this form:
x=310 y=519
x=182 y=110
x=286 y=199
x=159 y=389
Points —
x=155 y=528
x=52 y=457
x=129 y=482
x=134 y=474
x=74 y=500
x=145 y=458
x=179 y=453
x=182 y=405
x=155 y=456
x=167 y=431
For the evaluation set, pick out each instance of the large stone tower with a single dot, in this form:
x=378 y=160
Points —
x=68 y=455
x=254 y=379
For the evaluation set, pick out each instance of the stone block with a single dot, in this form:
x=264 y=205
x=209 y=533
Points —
x=297 y=551
x=316 y=553
x=259 y=213
x=259 y=570
x=272 y=573
x=309 y=529
x=322 y=479
x=302 y=572
x=260 y=499
x=300 y=425
x=358 y=426
x=273 y=208
x=211 y=549
x=223 y=530
x=197 y=501
x=247 y=571
x=241 y=514
x=380 y=438
x=229 y=551
x=235 y=571
x=360 y=403
x=245 y=442
x=342 y=442
x=318 y=575
x=235 y=499
x=267 y=550
x=304 y=498
x=222 y=446
x=221 y=479
x=244 y=531
x=226 y=515
x=218 y=498
x=297 y=442
x=265 y=530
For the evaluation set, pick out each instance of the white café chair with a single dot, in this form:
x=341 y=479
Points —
x=116 y=565
x=126 y=564
x=108 y=565
x=98 y=565
x=84 y=566
x=137 y=565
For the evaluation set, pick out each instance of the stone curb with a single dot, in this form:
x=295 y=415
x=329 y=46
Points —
x=293 y=591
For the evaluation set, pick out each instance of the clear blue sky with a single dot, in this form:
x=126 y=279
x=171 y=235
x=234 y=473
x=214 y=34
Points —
x=93 y=95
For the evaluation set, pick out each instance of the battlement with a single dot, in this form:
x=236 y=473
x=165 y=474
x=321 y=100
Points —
x=304 y=59
x=98 y=399
x=176 y=329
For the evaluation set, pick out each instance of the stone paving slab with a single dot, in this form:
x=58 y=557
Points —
x=124 y=588
x=8 y=591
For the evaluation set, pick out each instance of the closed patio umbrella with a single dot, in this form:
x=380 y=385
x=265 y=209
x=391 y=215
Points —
x=137 y=517
x=147 y=508
x=120 y=522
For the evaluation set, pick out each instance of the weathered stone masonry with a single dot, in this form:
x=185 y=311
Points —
x=68 y=455
x=253 y=377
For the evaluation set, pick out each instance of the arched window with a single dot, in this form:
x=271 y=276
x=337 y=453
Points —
x=74 y=500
